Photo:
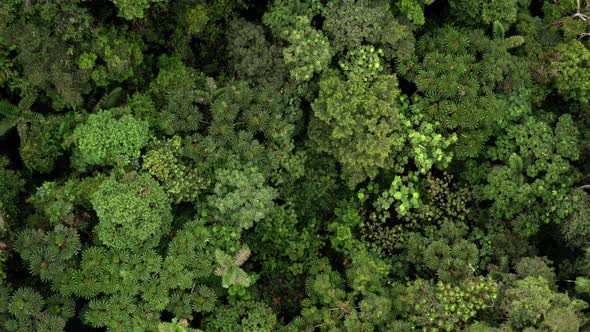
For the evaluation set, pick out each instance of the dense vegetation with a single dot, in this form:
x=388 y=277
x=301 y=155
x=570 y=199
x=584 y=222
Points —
x=296 y=165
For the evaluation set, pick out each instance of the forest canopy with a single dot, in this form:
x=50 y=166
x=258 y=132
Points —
x=294 y=165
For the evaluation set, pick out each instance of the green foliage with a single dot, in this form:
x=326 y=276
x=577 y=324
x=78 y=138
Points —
x=480 y=327
x=59 y=246
x=349 y=24
x=197 y=18
x=414 y=10
x=294 y=165
x=537 y=172
x=429 y=147
x=9 y=119
x=330 y=305
x=575 y=228
x=163 y=163
x=404 y=196
x=504 y=11
x=442 y=202
x=128 y=289
x=228 y=123
x=44 y=40
x=363 y=63
x=11 y=186
x=132 y=211
x=241 y=197
x=113 y=57
x=27 y=310
x=343 y=227
x=582 y=285
x=42 y=141
x=569 y=66
x=65 y=203
x=284 y=243
x=531 y=303
x=7 y=70
x=283 y=15
x=463 y=94
x=252 y=57
x=447 y=307
x=41 y=137
x=134 y=9
x=176 y=91
x=228 y=268
x=535 y=267
x=12 y=116
x=568 y=17
x=24 y=303
x=358 y=123
x=245 y=316
x=175 y=326
x=444 y=251
x=318 y=189
x=437 y=201
x=105 y=139
x=308 y=51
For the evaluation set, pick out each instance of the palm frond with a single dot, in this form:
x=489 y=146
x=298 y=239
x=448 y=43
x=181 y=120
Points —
x=7 y=109
x=32 y=117
x=242 y=255
x=109 y=100
x=6 y=124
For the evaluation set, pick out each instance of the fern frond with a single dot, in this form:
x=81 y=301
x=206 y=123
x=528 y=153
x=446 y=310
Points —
x=7 y=109
x=242 y=255
x=109 y=100
x=32 y=117
x=28 y=98
x=238 y=277
x=6 y=124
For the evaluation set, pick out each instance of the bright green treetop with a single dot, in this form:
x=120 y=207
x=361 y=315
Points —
x=132 y=211
x=107 y=140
